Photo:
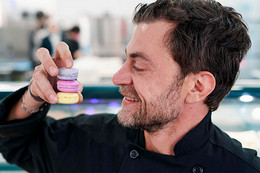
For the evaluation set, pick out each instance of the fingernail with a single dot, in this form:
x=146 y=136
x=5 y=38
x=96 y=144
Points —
x=53 y=98
x=52 y=70
x=68 y=63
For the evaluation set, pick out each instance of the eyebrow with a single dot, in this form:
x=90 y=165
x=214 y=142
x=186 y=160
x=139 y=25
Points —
x=138 y=55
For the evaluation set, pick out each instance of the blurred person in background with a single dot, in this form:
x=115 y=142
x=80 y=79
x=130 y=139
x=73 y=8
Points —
x=72 y=40
x=37 y=35
x=53 y=38
x=181 y=62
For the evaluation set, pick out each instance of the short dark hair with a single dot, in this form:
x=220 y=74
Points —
x=39 y=15
x=206 y=36
x=75 y=29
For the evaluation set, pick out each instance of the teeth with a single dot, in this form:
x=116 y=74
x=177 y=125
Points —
x=131 y=99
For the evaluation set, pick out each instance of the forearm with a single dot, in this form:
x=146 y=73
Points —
x=16 y=134
x=18 y=126
x=20 y=111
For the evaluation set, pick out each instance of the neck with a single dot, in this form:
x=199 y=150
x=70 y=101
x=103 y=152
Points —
x=163 y=141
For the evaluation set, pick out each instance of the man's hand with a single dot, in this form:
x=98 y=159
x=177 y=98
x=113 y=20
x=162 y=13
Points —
x=44 y=76
x=43 y=83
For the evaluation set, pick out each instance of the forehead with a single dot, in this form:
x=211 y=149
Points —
x=154 y=31
x=149 y=38
x=156 y=26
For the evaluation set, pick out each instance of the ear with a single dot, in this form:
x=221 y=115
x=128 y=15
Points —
x=200 y=86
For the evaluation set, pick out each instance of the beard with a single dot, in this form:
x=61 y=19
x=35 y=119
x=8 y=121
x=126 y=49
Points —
x=155 y=114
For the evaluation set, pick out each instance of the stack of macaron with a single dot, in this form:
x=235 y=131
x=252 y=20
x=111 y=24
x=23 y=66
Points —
x=68 y=86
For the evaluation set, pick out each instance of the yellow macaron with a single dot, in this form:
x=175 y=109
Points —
x=67 y=98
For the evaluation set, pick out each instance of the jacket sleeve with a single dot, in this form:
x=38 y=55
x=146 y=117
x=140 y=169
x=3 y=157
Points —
x=16 y=142
x=42 y=144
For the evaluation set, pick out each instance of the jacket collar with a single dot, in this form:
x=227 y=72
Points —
x=196 y=138
x=192 y=141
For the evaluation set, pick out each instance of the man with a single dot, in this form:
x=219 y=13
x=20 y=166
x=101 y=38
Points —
x=72 y=40
x=181 y=61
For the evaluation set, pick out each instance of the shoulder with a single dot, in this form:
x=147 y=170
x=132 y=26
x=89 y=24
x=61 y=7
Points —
x=232 y=150
x=47 y=38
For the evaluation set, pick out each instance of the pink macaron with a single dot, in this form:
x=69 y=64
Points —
x=68 y=85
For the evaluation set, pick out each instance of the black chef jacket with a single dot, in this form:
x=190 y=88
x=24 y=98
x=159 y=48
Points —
x=99 y=143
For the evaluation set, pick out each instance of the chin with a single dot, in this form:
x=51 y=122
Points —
x=126 y=118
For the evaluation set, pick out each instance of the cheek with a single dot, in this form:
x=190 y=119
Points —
x=143 y=89
x=147 y=92
x=151 y=86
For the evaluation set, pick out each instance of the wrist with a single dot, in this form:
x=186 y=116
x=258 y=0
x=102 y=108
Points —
x=36 y=98
x=18 y=111
x=30 y=105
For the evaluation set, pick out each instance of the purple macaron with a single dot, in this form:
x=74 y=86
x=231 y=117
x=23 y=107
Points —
x=68 y=73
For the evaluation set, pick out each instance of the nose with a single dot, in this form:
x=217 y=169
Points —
x=123 y=75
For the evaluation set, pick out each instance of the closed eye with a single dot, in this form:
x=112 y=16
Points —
x=138 y=69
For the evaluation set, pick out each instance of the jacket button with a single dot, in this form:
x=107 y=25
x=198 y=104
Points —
x=197 y=169
x=133 y=154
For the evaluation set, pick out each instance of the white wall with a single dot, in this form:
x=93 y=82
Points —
x=74 y=8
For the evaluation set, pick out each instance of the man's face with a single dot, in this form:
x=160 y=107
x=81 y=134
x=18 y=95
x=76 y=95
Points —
x=149 y=80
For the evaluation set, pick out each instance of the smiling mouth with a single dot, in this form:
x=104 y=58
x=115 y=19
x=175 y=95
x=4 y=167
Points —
x=131 y=99
x=129 y=93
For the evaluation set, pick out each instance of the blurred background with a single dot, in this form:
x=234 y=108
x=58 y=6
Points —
x=94 y=29
x=97 y=33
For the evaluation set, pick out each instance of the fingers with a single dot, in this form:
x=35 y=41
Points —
x=41 y=86
x=63 y=56
x=79 y=93
x=44 y=76
x=47 y=61
x=80 y=98
x=80 y=87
